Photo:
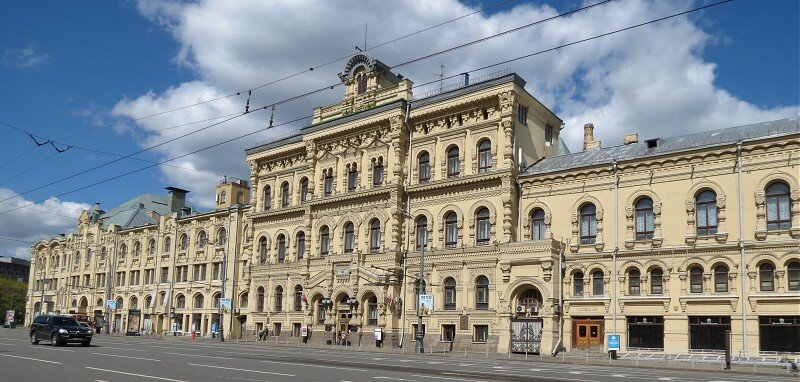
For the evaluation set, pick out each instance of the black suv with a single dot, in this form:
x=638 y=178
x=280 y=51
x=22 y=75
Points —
x=59 y=330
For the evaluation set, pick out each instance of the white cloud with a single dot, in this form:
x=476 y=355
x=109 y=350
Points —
x=34 y=223
x=653 y=80
x=27 y=57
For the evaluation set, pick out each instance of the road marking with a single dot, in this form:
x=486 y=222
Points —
x=129 y=357
x=315 y=366
x=619 y=375
x=108 y=347
x=445 y=378
x=247 y=370
x=197 y=355
x=30 y=359
x=395 y=379
x=135 y=375
x=665 y=379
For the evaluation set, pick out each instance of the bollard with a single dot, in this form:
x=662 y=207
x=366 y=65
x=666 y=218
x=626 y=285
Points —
x=562 y=357
x=465 y=352
x=526 y=354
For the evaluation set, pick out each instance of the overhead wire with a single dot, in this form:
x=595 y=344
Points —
x=476 y=69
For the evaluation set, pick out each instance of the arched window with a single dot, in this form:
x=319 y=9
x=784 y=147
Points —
x=656 y=281
x=202 y=240
x=215 y=300
x=222 y=236
x=304 y=189
x=588 y=224
x=450 y=294
x=148 y=302
x=530 y=298
x=538 y=227
x=482 y=293
x=453 y=162
x=134 y=303
x=422 y=232
x=167 y=244
x=285 y=195
x=77 y=258
x=301 y=245
x=223 y=197
x=278 y=298
x=151 y=247
x=721 y=279
x=375 y=235
x=362 y=83
x=324 y=240
x=779 y=207
x=267 y=198
x=352 y=177
x=577 y=284
x=372 y=311
x=184 y=242
x=260 y=300
x=706 y=206
x=793 y=275
x=137 y=249
x=482 y=226
x=239 y=196
x=645 y=219
x=597 y=283
x=377 y=172
x=103 y=254
x=263 y=250
x=244 y=300
x=281 y=248
x=634 y=283
x=485 y=156
x=451 y=229
x=298 y=298
x=424 y=172
x=198 y=301
x=328 y=181
x=162 y=298
x=766 y=273
x=349 y=237
x=120 y=303
x=180 y=302
x=696 y=280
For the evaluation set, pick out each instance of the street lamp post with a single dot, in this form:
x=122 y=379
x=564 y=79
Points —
x=420 y=332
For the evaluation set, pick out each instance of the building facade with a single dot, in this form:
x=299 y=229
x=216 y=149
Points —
x=468 y=194
x=14 y=268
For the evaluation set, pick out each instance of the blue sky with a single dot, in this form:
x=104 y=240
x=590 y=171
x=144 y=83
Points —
x=69 y=67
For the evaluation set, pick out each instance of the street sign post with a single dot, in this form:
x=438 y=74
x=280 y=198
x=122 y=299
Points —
x=613 y=345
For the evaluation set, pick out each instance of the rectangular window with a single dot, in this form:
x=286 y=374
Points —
x=548 y=135
x=164 y=274
x=448 y=333
x=217 y=271
x=328 y=185
x=522 y=115
x=646 y=332
x=414 y=330
x=276 y=331
x=481 y=333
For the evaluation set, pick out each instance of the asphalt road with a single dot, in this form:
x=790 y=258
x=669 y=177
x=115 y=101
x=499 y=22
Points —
x=122 y=359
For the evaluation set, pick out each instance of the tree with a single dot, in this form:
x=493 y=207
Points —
x=13 y=294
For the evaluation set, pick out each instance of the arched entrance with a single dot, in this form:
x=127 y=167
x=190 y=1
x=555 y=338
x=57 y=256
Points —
x=343 y=316
x=526 y=323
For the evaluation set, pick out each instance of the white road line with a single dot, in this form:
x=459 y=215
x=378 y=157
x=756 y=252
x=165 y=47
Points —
x=129 y=357
x=395 y=379
x=136 y=375
x=315 y=366
x=50 y=348
x=445 y=378
x=197 y=355
x=247 y=370
x=30 y=359
x=109 y=347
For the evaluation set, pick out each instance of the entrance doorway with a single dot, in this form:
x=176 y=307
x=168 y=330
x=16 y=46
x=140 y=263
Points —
x=587 y=332
x=344 y=325
x=526 y=336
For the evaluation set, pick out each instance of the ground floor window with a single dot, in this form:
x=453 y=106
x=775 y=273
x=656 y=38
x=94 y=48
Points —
x=646 y=332
x=448 y=333
x=296 y=329
x=481 y=333
x=708 y=332
x=414 y=330
x=779 y=334
x=276 y=329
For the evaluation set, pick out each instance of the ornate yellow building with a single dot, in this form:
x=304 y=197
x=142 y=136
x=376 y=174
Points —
x=525 y=247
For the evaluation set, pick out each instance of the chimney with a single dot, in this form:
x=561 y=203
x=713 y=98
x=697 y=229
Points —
x=176 y=199
x=630 y=138
x=588 y=137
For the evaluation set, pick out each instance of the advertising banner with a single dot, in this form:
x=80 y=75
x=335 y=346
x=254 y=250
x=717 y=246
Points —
x=225 y=304
x=9 y=317
x=111 y=304
x=134 y=316
x=425 y=304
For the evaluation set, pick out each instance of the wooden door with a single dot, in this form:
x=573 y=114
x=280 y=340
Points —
x=595 y=335
x=582 y=336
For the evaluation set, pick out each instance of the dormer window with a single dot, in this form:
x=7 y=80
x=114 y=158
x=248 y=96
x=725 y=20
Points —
x=362 y=83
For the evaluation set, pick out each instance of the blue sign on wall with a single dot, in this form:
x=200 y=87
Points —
x=613 y=342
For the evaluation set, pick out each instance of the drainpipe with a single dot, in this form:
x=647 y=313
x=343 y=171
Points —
x=408 y=235
x=557 y=347
x=616 y=248
x=741 y=248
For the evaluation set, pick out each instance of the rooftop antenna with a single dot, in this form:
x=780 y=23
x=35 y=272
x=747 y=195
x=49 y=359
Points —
x=365 y=36
x=440 y=75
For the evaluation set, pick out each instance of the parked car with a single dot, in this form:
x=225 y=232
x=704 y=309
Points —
x=59 y=330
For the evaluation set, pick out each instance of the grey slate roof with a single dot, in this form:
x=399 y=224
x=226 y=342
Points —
x=133 y=213
x=681 y=143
